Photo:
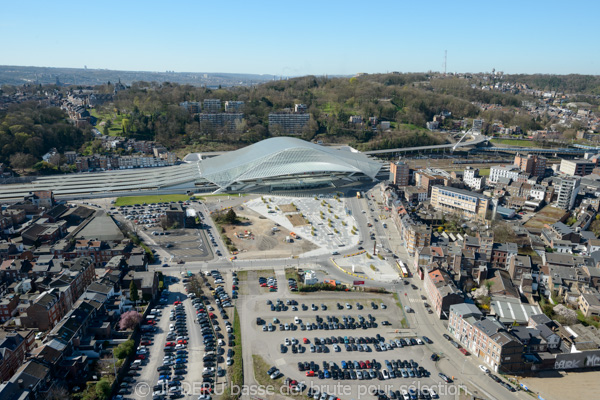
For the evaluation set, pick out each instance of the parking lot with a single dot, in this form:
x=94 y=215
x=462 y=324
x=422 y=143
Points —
x=185 y=244
x=365 y=327
x=192 y=344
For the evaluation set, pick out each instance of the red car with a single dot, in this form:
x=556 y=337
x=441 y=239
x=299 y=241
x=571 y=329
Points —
x=310 y=373
x=140 y=357
x=293 y=383
x=211 y=315
x=182 y=341
x=368 y=364
x=169 y=344
x=177 y=302
x=263 y=284
x=205 y=390
x=305 y=340
x=362 y=365
x=145 y=342
x=151 y=322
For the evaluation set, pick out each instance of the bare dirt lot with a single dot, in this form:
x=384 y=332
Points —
x=261 y=241
x=297 y=219
x=554 y=386
x=288 y=208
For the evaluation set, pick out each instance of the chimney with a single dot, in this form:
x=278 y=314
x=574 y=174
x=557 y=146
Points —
x=21 y=385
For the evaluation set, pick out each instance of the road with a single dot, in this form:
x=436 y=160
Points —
x=453 y=363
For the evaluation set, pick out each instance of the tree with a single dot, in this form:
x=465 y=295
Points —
x=231 y=216
x=103 y=389
x=22 y=161
x=125 y=349
x=134 y=295
x=129 y=320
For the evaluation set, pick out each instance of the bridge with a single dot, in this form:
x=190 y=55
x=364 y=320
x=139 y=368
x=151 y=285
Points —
x=474 y=142
x=565 y=151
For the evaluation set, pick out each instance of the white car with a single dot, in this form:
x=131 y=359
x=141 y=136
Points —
x=39 y=336
x=287 y=341
x=484 y=369
x=180 y=347
x=433 y=394
x=405 y=394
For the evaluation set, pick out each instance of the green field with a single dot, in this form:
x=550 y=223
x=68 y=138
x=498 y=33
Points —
x=515 y=142
x=131 y=200
x=484 y=172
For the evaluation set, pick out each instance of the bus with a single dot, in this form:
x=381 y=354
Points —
x=402 y=268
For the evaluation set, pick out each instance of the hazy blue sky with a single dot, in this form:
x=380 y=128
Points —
x=303 y=37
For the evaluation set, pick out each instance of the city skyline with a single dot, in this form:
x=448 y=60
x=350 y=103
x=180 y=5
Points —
x=335 y=38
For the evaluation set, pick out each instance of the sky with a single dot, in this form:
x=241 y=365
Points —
x=293 y=38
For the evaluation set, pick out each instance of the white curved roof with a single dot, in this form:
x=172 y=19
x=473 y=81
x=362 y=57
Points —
x=283 y=156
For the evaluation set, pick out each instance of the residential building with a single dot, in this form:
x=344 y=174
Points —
x=44 y=312
x=415 y=195
x=519 y=266
x=32 y=381
x=193 y=107
x=589 y=304
x=486 y=338
x=227 y=121
x=234 y=106
x=472 y=179
x=427 y=180
x=466 y=203
x=41 y=198
x=399 y=173
x=532 y=164
x=577 y=167
x=288 y=123
x=508 y=172
x=567 y=192
x=8 y=306
x=415 y=235
x=211 y=106
x=442 y=292
x=300 y=108
x=14 y=347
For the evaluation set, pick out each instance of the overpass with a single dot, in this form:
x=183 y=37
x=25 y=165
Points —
x=563 y=151
x=474 y=142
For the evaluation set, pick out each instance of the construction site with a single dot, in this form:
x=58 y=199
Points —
x=259 y=237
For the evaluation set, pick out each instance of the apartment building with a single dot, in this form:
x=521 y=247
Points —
x=415 y=236
x=486 y=338
x=225 y=121
x=463 y=202
x=472 y=179
x=441 y=291
x=428 y=180
x=577 y=167
x=234 y=106
x=212 y=106
x=532 y=164
x=8 y=306
x=193 y=107
x=14 y=347
x=399 y=173
x=568 y=189
x=508 y=172
x=44 y=312
x=288 y=123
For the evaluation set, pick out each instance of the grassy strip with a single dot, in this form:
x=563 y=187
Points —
x=163 y=198
x=236 y=371
x=260 y=373
x=403 y=321
x=514 y=142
